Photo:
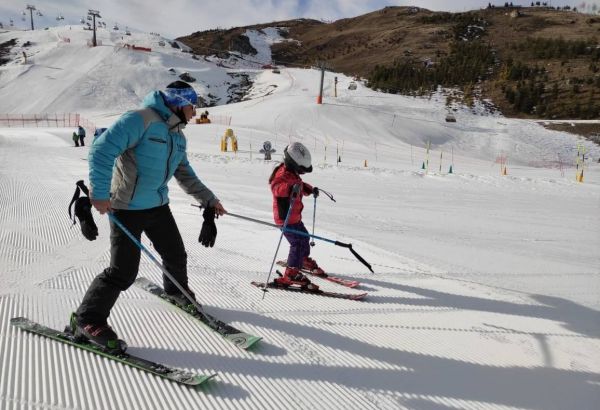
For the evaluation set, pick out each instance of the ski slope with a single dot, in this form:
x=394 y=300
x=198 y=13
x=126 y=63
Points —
x=485 y=291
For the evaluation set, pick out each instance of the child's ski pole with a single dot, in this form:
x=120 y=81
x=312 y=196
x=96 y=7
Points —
x=295 y=193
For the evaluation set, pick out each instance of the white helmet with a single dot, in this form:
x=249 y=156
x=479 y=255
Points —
x=297 y=158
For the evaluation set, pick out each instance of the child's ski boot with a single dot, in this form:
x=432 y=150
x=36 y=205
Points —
x=293 y=277
x=311 y=265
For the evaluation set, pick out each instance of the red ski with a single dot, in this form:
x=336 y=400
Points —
x=299 y=289
x=334 y=279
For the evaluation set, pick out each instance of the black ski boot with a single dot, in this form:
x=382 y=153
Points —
x=179 y=299
x=101 y=335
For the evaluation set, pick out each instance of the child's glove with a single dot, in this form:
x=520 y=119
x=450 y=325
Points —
x=208 y=233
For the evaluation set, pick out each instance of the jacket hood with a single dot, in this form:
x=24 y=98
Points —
x=156 y=101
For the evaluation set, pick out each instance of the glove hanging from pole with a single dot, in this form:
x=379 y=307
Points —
x=208 y=233
x=83 y=212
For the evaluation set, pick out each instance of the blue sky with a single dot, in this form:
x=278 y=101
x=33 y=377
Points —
x=173 y=18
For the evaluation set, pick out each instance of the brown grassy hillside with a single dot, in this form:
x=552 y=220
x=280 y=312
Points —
x=494 y=53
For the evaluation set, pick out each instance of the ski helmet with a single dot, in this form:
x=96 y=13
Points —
x=296 y=157
x=180 y=94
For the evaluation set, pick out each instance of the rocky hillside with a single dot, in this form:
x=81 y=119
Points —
x=535 y=62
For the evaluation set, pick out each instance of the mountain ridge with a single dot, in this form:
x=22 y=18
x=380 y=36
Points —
x=565 y=84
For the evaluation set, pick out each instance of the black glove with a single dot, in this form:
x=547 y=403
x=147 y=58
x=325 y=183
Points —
x=208 y=233
x=83 y=212
x=315 y=192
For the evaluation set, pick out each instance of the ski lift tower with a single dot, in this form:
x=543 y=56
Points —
x=94 y=14
x=31 y=9
x=323 y=65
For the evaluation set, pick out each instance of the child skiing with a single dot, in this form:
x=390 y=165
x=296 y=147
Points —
x=288 y=188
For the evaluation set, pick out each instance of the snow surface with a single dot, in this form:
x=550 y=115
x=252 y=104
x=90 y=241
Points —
x=485 y=291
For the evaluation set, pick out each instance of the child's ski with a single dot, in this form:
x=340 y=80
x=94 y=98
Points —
x=166 y=372
x=235 y=336
x=274 y=285
x=334 y=279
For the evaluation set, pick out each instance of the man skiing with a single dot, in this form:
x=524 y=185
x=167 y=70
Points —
x=288 y=188
x=131 y=164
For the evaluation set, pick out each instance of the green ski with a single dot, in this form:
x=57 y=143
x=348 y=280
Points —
x=235 y=336
x=166 y=372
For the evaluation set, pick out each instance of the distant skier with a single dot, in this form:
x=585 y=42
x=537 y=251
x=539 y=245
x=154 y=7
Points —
x=140 y=153
x=288 y=188
x=76 y=138
x=81 y=135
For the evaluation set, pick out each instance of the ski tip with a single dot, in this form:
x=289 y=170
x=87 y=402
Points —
x=20 y=321
x=244 y=340
x=198 y=380
x=251 y=342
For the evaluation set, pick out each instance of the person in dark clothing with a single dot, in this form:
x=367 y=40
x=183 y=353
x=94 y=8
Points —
x=131 y=164
x=81 y=135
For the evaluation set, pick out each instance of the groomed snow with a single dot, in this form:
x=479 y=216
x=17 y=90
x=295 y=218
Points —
x=486 y=286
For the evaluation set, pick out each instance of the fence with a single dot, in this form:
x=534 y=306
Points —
x=66 y=120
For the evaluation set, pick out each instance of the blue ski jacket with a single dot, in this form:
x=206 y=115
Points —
x=132 y=162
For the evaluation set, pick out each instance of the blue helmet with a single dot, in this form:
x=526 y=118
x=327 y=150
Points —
x=180 y=94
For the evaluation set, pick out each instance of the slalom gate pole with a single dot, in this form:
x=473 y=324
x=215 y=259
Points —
x=140 y=245
x=285 y=229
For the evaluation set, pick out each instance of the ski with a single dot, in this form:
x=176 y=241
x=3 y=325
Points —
x=273 y=285
x=166 y=372
x=334 y=279
x=230 y=333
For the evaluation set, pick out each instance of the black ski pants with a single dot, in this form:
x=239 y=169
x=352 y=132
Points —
x=159 y=226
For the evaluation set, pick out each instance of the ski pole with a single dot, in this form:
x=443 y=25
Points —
x=295 y=192
x=140 y=245
x=312 y=243
x=285 y=229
